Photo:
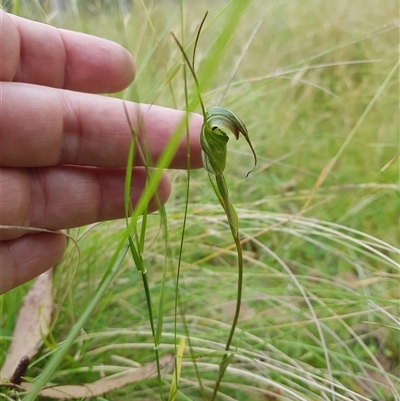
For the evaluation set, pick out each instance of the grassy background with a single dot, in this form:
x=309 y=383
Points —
x=320 y=266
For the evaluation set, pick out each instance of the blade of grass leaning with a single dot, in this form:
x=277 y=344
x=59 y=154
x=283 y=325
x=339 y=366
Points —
x=331 y=163
x=239 y=60
x=232 y=14
x=172 y=71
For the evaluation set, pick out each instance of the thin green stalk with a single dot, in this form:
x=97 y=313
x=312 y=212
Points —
x=213 y=141
x=16 y=7
x=176 y=378
x=177 y=295
x=138 y=249
x=192 y=70
x=232 y=217
x=157 y=331
x=222 y=193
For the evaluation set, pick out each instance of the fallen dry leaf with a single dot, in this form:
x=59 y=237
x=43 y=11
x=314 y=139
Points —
x=32 y=324
x=106 y=384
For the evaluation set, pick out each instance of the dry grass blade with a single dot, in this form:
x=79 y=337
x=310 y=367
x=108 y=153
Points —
x=107 y=384
x=177 y=371
x=32 y=324
x=389 y=163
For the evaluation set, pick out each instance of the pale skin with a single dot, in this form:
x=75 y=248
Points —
x=63 y=147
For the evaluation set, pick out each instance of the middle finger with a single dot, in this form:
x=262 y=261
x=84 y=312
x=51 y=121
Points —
x=60 y=197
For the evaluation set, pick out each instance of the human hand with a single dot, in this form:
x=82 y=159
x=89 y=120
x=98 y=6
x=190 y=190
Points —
x=62 y=147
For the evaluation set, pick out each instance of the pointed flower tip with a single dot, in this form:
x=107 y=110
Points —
x=249 y=172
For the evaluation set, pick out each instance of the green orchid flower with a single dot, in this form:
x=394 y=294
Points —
x=214 y=138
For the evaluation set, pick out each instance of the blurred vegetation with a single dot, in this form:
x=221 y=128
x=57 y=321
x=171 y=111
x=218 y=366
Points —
x=322 y=273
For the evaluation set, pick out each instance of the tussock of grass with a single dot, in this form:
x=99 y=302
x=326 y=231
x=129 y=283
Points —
x=321 y=282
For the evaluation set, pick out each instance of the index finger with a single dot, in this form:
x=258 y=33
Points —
x=41 y=126
x=41 y=54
